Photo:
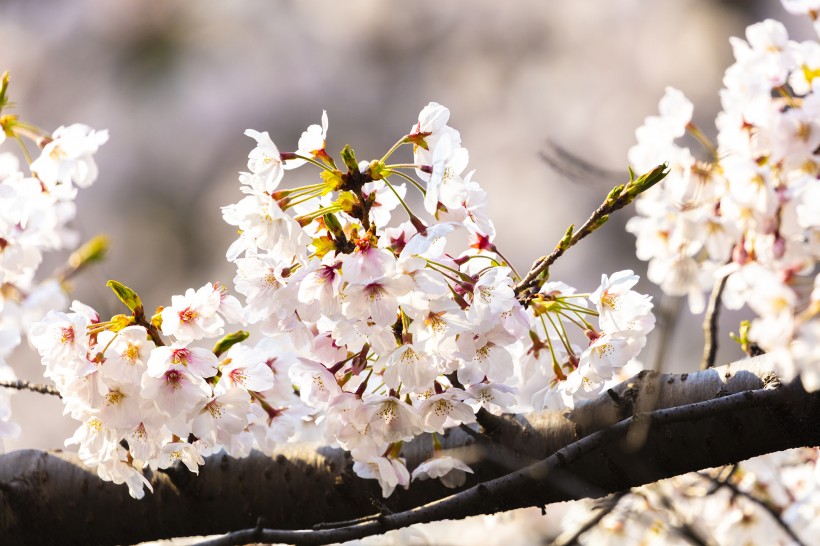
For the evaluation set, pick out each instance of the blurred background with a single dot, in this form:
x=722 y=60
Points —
x=176 y=84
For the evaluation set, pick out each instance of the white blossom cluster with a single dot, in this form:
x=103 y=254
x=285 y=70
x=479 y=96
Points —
x=36 y=206
x=143 y=403
x=392 y=335
x=370 y=329
x=748 y=211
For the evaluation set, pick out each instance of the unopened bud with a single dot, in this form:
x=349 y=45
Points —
x=229 y=341
x=739 y=254
x=592 y=335
x=127 y=296
x=349 y=158
x=4 y=87
x=779 y=246
x=93 y=251
x=566 y=240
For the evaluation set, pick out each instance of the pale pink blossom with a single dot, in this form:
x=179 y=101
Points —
x=451 y=471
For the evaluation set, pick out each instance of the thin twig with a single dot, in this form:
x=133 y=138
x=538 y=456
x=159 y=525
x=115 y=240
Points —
x=541 y=266
x=346 y=523
x=772 y=511
x=526 y=479
x=683 y=529
x=152 y=330
x=21 y=385
x=604 y=508
x=710 y=325
x=539 y=271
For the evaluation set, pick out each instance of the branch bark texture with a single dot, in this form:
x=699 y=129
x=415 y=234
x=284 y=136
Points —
x=650 y=427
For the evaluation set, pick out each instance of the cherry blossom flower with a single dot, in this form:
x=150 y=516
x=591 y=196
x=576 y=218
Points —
x=447 y=408
x=182 y=452
x=411 y=367
x=316 y=384
x=389 y=472
x=126 y=354
x=246 y=368
x=392 y=420
x=451 y=471
x=116 y=469
x=69 y=156
x=311 y=143
x=176 y=391
x=433 y=119
x=264 y=161
x=223 y=416
x=495 y=397
x=194 y=315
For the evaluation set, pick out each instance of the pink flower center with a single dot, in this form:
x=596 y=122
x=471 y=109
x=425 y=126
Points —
x=67 y=335
x=187 y=315
x=180 y=356
x=238 y=376
x=173 y=378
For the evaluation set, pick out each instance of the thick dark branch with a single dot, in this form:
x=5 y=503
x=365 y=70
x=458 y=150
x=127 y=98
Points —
x=302 y=486
x=532 y=483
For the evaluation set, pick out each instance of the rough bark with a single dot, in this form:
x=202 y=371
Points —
x=51 y=498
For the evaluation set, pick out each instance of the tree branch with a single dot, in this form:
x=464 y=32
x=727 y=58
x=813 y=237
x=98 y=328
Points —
x=771 y=510
x=530 y=482
x=21 y=385
x=710 y=325
x=570 y=538
x=579 y=453
x=618 y=198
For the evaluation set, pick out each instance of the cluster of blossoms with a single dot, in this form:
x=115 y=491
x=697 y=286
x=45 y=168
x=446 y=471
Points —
x=36 y=206
x=724 y=504
x=391 y=334
x=370 y=330
x=749 y=213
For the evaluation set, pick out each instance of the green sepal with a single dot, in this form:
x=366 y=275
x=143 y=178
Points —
x=600 y=221
x=156 y=320
x=333 y=180
x=417 y=139
x=118 y=322
x=615 y=193
x=540 y=305
x=348 y=202
x=743 y=337
x=378 y=170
